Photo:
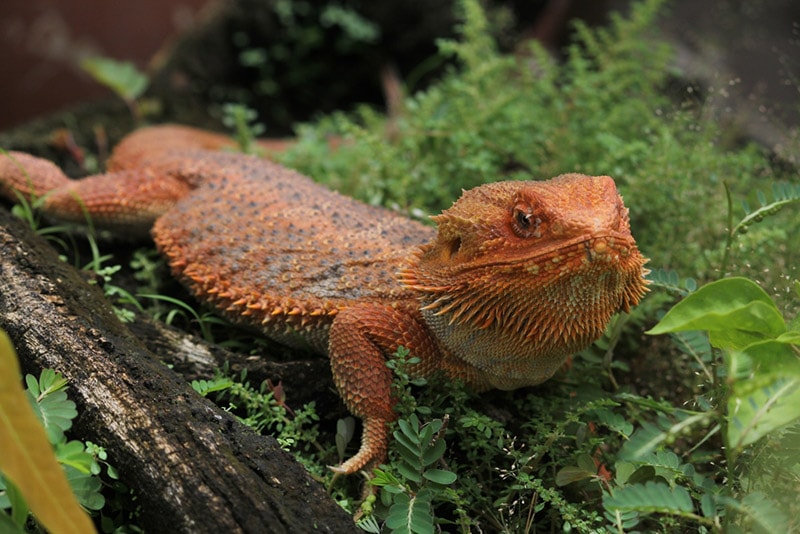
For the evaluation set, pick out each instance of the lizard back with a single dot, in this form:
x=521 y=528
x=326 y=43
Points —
x=263 y=243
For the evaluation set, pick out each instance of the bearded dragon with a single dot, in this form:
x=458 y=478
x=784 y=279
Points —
x=517 y=276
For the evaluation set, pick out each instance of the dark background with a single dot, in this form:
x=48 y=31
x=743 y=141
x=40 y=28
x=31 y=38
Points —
x=746 y=49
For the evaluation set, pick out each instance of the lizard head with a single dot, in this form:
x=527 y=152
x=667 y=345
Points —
x=528 y=271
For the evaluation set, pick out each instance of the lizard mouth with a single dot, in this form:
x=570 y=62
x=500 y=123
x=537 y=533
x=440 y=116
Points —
x=611 y=248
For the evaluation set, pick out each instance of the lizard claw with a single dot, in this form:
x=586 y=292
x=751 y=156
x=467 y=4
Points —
x=373 y=450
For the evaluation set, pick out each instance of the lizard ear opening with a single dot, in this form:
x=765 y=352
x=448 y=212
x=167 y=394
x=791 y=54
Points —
x=454 y=246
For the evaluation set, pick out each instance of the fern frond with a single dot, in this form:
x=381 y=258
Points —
x=759 y=512
x=783 y=194
x=671 y=281
x=651 y=497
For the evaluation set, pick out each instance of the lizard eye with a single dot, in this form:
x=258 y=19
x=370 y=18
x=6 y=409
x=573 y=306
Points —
x=524 y=221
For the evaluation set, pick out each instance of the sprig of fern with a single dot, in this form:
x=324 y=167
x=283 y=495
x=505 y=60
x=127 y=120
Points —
x=671 y=281
x=783 y=194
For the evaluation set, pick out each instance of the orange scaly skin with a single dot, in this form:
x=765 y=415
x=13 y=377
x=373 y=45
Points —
x=519 y=275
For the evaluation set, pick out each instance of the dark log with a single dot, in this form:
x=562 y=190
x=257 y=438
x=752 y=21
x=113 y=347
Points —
x=193 y=467
x=304 y=378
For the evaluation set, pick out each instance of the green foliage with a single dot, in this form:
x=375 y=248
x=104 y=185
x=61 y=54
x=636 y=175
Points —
x=122 y=77
x=410 y=491
x=296 y=54
x=83 y=463
x=242 y=120
x=603 y=110
x=762 y=390
x=783 y=194
x=266 y=409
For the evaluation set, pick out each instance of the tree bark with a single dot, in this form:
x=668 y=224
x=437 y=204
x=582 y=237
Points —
x=193 y=467
x=303 y=379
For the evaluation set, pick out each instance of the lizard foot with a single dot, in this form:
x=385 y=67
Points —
x=374 y=446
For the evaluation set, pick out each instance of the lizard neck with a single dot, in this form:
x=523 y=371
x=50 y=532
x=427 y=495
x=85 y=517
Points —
x=518 y=321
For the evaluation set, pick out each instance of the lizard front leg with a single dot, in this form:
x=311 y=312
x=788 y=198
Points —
x=361 y=338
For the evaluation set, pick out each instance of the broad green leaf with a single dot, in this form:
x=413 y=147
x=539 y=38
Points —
x=434 y=453
x=707 y=505
x=19 y=508
x=407 y=442
x=622 y=472
x=643 y=441
x=74 y=455
x=56 y=412
x=642 y=475
x=440 y=476
x=764 y=410
x=26 y=456
x=8 y=526
x=650 y=497
x=49 y=382
x=735 y=312
x=86 y=488
x=409 y=472
x=572 y=473
x=410 y=426
x=661 y=463
x=122 y=77
x=792 y=337
x=760 y=364
x=762 y=514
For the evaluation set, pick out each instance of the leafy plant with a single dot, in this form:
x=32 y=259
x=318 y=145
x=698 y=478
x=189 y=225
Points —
x=242 y=120
x=122 y=77
x=32 y=477
x=783 y=194
x=265 y=409
x=762 y=390
x=410 y=490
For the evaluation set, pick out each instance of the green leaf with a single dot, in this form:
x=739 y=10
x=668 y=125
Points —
x=572 y=473
x=643 y=441
x=650 y=497
x=19 y=508
x=614 y=421
x=622 y=472
x=410 y=428
x=409 y=472
x=440 y=476
x=122 y=77
x=26 y=456
x=56 y=413
x=761 y=514
x=642 y=475
x=760 y=364
x=407 y=444
x=735 y=312
x=753 y=416
x=74 y=455
x=8 y=526
x=86 y=488
x=434 y=453
x=764 y=392
x=792 y=337
x=49 y=382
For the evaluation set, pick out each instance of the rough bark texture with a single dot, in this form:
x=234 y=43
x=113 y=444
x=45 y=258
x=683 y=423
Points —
x=193 y=466
x=303 y=380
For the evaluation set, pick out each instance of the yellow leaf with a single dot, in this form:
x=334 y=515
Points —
x=26 y=456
